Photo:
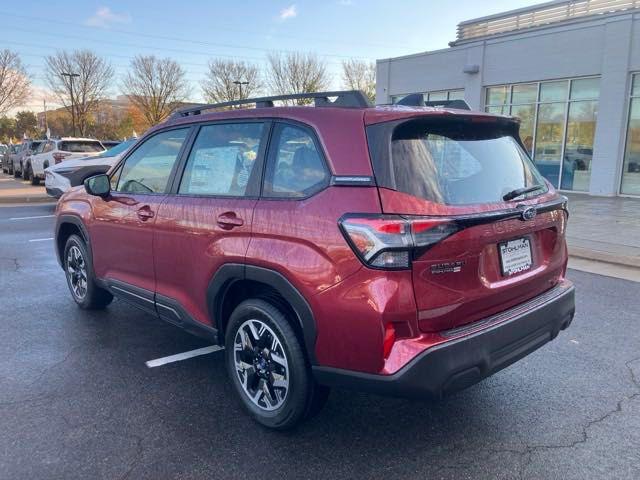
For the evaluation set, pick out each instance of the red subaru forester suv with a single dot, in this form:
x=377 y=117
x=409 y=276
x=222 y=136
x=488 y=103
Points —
x=407 y=250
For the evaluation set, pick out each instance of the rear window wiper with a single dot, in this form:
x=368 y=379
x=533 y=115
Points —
x=520 y=191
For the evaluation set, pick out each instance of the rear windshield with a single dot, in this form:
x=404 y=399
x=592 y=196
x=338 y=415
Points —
x=451 y=162
x=80 y=146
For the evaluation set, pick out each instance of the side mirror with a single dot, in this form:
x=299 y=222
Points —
x=98 y=185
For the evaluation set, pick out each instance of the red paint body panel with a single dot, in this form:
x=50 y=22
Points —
x=189 y=246
x=178 y=251
x=302 y=241
x=448 y=300
x=122 y=242
x=351 y=318
x=390 y=113
x=480 y=290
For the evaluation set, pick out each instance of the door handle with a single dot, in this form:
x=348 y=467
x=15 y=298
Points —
x=229 y=220
x=145 y=213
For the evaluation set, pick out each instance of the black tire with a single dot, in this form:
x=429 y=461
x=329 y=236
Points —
x=87 y=295
x=34 y=180
x=16 y=174
x=25 y=172
x=303 y=397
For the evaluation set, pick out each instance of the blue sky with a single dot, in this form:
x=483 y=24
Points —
x=194 y=31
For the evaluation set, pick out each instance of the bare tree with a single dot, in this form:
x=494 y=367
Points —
x=15 y=85
x=80 y=79
x=156 y=86
x=297 y=73
x=229 y=80
x=360 y=75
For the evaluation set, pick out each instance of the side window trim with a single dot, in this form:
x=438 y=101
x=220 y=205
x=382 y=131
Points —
x=255 y=179
x=117 y=169
x=271 y=156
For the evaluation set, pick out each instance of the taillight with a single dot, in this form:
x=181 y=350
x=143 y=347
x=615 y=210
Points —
x=391 y=241
x=58 y=156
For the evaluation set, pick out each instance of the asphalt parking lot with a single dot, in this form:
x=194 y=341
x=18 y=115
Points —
x=78 y=401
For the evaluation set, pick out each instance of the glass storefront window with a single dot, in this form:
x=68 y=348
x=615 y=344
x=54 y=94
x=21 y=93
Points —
x=498 y=110
x=525 y=93
x=437 y=96
x=549 y=135
x=557 y=125
x=631 y=167
x=553 y=91
x=578 y=150
x=497 y=95
x=585 y=89
x=527 y=115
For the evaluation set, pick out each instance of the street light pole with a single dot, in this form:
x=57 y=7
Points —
x=240 y=83
x=73 y=108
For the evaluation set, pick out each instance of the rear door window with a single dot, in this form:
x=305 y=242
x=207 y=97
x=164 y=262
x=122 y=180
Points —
x=451 y=162
x=295 y=167
x=222 y=160
x=81 y=146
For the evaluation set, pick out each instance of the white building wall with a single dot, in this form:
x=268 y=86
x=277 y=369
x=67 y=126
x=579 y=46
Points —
x=613 y=107
x=606 y=45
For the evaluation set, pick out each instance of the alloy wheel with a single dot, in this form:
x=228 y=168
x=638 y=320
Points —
x=261 y=364
x=77 y=272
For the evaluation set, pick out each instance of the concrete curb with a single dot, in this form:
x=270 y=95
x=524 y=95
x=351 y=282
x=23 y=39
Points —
x=26 y=199
x=604 y=257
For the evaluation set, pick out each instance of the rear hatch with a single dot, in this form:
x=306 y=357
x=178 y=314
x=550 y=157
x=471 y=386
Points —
x=479 y=245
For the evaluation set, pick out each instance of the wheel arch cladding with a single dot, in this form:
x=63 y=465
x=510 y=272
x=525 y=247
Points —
x=66 y=226
x=231 y=279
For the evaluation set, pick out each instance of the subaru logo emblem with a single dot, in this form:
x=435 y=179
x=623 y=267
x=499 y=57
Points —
x=529 y=213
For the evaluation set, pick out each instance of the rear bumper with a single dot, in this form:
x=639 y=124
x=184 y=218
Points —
x=467 y=359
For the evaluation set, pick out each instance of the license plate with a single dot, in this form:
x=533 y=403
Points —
x=515 y=256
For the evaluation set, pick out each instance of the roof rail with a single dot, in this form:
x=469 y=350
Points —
x=344 y=99
x=417 y=100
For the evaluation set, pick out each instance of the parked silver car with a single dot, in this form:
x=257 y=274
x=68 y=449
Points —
x=22 y=156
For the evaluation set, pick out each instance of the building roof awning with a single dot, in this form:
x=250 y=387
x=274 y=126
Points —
x=539 y=15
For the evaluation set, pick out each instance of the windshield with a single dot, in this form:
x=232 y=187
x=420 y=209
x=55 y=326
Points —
x=455 y=163
x=118 y=149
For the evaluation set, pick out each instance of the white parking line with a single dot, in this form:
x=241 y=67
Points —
x=40 y=239
x=183 y=356
x=29 y=218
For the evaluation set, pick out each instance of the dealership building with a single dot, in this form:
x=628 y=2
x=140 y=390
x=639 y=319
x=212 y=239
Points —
x=569 y=69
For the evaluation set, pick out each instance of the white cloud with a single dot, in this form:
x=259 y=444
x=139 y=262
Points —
x=35 y=103
x=289 y=12
x=104 y=17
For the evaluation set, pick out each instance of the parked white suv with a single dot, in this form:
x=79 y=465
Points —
x=71 y=173
x=52 y=152
x=22 y=157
